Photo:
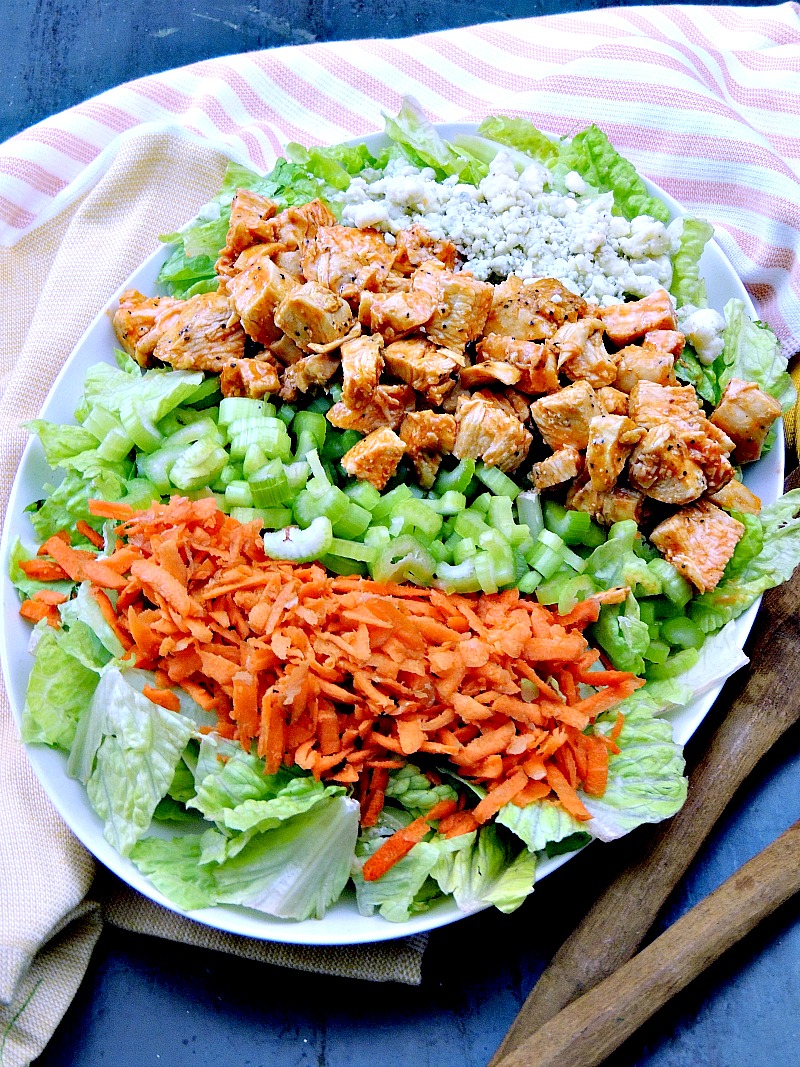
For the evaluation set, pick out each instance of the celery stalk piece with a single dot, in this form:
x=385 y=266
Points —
x=529 y=510
x=497 y=482
x=300 y=546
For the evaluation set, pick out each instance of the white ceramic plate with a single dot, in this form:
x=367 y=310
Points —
x=342 y=924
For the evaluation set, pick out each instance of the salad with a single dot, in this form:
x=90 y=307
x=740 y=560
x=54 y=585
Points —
x=408 y=507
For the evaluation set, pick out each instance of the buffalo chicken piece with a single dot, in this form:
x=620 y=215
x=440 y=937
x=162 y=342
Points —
x=614 y=401
x=201 y=336
x=489 y=372
x=250 y=217
x=362 y=363
x=316 y=319
x=671 y=341
x=139 y=322
x=307 y=372
x=256 y=290
x=461 y=304
x=645 y=362
x=745 y=413
x=489 y=432
x=388 y=407
x=532 y=311
x=698 y=541
x=611 y=440
x=581 y=353
x=428 y=435
x=396 y=314
x=249 y=377
x=628 y=322
x=617 y=504
x=563 y=418
x=735 y=496
x=423 y=366
x=662 y=467
x=562 y=466
x=536 y=363
x=416 y=246
x=374 y=458
x=346 y=260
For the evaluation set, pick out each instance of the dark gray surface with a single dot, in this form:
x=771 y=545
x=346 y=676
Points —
x=149 y=1003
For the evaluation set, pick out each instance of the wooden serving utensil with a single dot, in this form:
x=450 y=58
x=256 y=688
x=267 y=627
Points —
x=593 y=1026
x=765 y=706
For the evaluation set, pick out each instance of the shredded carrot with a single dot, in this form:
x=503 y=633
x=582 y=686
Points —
x=348 y=678
x=164 y=697
x=91 y=535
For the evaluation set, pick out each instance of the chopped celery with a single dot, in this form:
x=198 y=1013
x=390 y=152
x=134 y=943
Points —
x=497 y=482
x=545 y=560
x=363 y=494
x=481 y=503
x=238 y=495
x=458 y=578
x=382 y=511
x=377 y=535
x=501 y=513
x=529 y=582
x=286 y=412
x=470 y=524
x=309 y=427
x=529 y=510
x=657 y=651
x=297 y=475
x=418 y=518
x=300 y=546
x=338 y=443
x=463 y=549
x=275 y=518
x=449 y=503
x=673 y=585
x=404 y=559
x=573 y=527
x=254 y=459
x=270 y=486
x=458 y=478
x=675 y=665
x=310 y=505
x=681 y=632
x=353 y=522
x=342 y=565
x=232 y=408
x=354 y=550
x=200 y=464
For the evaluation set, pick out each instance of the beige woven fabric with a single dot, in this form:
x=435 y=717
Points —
x=52 y=285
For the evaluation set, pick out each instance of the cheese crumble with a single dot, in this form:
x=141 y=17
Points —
x=522 y=224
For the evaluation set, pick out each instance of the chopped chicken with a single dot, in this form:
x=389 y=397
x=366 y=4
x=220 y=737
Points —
x=395 y=314
x=347 y=260
x=511 y=401
x=462 y=304
x=662 y=467
x=202 y=336
x=490 y=372
x=535 y=362
x=140 y=320
x=652 y=404
x=613 y=400
x=286 y=351
x=746 y=413
x=611 y=440
x=423 y=366
x=388 y=407
x=427 y=436
x=255 y=290
x=315 y=318
x=374 y=458
x=416 y=246
x=735 y=496
x=698 y=541
x=562 y=466
x=362 y=363
x=609 y=507
x=666 y=341
x=289 y=231
x=710 y=447
x=249 y=377
x=627 y=322
x=581 y=353
x=563 y=418
x=532 y=311
x=486 y=431
x=316 y=369
x=645 y=362
x=249 y=225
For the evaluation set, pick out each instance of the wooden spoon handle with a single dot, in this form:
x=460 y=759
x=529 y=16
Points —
x=590 y=1029
x=766 y=705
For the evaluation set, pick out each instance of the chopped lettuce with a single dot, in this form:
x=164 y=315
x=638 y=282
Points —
x=125 y=751
x=425 y=147
x=395 y=894
x=687 y=285
x=485 y=868
x=173 y=866
x=519 y=134
x=752 y=352
x=59 y=689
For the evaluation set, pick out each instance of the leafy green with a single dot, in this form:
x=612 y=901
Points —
x=687 y=285
x=60 y=688
x=485 y=868
x=61 y=441
x=520 y=134
x=592 y=155
x=704 y=377
x=753 y=353
x=425 y=147
x=173 y=866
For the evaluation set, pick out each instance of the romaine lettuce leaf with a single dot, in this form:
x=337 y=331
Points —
x=173 y=866
x=26 y=586
x=126 y=752
x=687 y=285
x=520 y=134
x=484 y=868
x=60 y=689
x=394 y=895
x=61 y=441
x=425 y=147
x=752 y=352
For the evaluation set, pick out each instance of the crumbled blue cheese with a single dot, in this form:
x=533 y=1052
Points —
x=521 y=224
x=703 y=329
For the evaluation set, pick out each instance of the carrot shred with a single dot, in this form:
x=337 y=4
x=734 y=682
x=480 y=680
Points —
x=91 y=535
x=394 y=849
x=163 y=697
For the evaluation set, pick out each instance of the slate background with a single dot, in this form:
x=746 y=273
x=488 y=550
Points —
x=149 y=1003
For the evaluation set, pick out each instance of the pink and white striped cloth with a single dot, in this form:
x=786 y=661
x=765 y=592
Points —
x=704 y=100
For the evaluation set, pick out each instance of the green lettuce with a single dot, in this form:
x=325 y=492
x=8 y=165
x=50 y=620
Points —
x=60 y=688
x=173 y=866
x=125 y=751
x=687 y=285
x=396 y=895
x=485 y=868
x=752 y=352
x=519 y=134
x=592 y=155
x=425 y=147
